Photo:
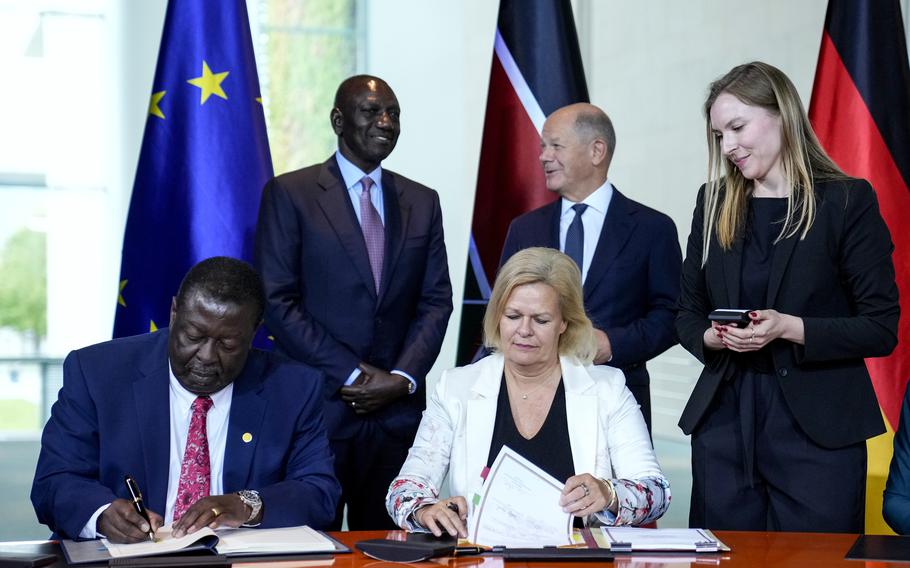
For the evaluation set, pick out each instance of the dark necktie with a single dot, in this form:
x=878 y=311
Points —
x=373 y=233
x=575 y=237
x=196 y=470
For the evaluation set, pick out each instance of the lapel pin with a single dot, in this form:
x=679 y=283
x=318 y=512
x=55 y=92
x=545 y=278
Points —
x=247 y=437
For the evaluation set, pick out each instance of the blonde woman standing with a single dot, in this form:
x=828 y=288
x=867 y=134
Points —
x=782 y=409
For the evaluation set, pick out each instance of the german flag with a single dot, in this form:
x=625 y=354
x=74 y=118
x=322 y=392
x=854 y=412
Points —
x=860 y=110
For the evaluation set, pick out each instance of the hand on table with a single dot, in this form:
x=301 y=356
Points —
x=213 y=512
x=449 y=515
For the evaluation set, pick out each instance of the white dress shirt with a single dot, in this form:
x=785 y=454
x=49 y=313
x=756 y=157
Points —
x=352 y=175
x=592 y=220
x=216 y=425
x=181 y=411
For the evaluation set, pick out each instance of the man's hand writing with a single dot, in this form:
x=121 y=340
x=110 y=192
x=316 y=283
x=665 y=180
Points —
x=121 y=523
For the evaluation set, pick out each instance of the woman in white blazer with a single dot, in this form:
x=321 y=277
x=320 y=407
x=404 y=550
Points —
x=576 y=421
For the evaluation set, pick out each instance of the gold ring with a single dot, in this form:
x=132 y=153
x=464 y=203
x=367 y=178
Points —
x=215 y=511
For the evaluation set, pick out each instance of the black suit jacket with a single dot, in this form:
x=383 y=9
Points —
x=839 y=280
x=633 y=282
x=322 y=307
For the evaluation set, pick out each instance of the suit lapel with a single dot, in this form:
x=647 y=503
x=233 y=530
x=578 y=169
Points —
x=397 y=215
x=555 y=215
x=152 y=397
x=617 y=228
x=336 y=204
x=480 y=418
x=244 y=425
x=581 y=409
x=780 y=258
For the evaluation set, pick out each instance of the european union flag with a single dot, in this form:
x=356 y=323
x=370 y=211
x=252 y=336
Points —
x=204 y=159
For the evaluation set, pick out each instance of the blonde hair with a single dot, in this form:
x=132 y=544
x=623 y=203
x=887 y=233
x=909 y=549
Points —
x=802 y=157
x=555 y=269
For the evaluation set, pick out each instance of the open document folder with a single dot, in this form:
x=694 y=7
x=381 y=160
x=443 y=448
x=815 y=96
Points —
x=226 y=541
x=518 y=506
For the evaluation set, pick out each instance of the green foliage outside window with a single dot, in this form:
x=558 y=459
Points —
x=23 y=286
x=309 y=47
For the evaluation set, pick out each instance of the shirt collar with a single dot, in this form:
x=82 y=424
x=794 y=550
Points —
x=599 y=200
x=183 y=399
x=352 y=175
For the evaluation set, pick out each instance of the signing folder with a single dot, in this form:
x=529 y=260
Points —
x=228 y=542
x=883 y=548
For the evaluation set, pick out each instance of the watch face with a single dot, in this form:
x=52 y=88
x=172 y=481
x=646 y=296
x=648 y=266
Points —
x=252 y=500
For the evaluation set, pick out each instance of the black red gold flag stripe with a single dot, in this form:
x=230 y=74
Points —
x=860 y=111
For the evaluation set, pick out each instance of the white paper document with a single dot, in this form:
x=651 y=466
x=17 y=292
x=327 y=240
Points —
x=274 y=541
x=229 y=541
x=630 y=538
x=519 y=506
x=163 y=544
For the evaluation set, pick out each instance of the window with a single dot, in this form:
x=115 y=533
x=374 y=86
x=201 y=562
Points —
x=63 y=189
x=304 y=49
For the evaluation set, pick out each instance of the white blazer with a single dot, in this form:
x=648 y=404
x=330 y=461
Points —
x=607 y=434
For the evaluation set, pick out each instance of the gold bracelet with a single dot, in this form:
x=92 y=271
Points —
x=613 y=498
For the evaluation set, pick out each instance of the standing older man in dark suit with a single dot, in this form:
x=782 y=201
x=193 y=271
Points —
x=628 y=254
x=357 y=285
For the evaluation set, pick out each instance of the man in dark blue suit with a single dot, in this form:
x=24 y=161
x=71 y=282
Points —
x=257 y=456
x=357 y=285
x=628 y=254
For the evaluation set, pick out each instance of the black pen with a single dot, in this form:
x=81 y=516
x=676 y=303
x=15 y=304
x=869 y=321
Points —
x=136 y=496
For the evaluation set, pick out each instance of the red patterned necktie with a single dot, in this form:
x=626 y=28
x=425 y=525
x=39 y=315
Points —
x=373 y=233
x=196 y=470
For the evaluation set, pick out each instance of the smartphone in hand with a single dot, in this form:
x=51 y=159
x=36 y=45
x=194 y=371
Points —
x=728 y=316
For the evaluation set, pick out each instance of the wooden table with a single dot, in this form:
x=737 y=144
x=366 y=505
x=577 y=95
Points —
x=750 y=549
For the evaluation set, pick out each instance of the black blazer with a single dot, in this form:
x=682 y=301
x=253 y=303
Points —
x=633 y=282
x=839 y=280
x=321 y=303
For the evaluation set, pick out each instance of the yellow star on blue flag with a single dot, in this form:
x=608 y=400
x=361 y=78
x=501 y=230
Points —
x=192 y=199
x=209 y=83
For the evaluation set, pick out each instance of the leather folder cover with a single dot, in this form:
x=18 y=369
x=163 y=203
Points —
x=880 y=547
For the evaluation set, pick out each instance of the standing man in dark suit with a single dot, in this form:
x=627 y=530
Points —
x=357 y=285
x=628 y=254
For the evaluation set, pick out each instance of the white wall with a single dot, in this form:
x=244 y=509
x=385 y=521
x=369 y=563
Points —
x=649 y=65
x=436 y=56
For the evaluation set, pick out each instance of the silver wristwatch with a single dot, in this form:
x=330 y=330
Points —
x=252 y=500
